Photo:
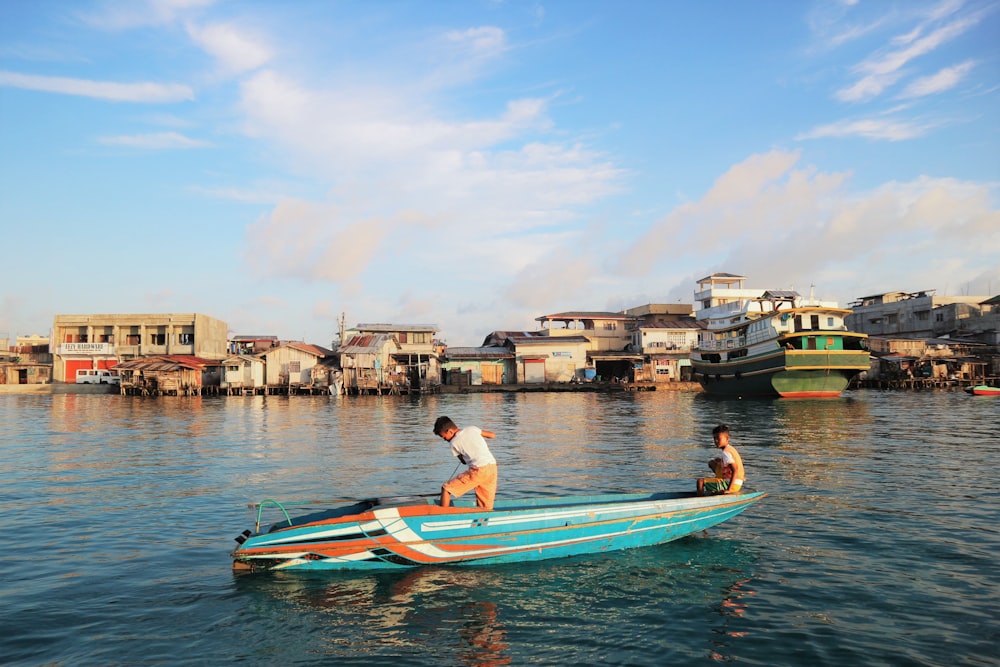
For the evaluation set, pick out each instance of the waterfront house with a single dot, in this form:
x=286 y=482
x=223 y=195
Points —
x=926 y=358
x=539 y=357
x=243 y=373
x=288 y=367
x=490 y=364
x=366 y=361
x=603 y=330
x=252 y=344
x=666 y=349
x=28 y=362
x=608 y=334
x=416 y=358
x=16 y=370
x=170 y=374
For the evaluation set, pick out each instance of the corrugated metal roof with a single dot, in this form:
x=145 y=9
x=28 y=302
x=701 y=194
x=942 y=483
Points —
x=722 y=275
x=547 y=340
x=367 y=344
x=687 y=325
x=248 y=358
x=585 y=315
x=486 y=352
x=392 y=328
x=168 y=362
x=309 y=348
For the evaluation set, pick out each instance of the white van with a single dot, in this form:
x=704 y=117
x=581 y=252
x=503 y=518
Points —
x=97 y=376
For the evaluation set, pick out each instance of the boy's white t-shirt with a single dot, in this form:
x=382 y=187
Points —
x=470 y=443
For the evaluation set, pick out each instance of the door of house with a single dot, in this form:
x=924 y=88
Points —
x=534 y=370
x=492 y=374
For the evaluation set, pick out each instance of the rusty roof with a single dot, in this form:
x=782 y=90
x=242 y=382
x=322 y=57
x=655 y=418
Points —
x=585 y=315
x=485 y=352
x=168 y=362
x=367 y=344
x=309 y=348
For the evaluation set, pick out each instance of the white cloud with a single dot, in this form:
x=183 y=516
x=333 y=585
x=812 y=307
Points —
x=393 y=158
x=313 y=242
x=945 y=79
x=154 y=141
x=141 y=13
x=236 y=51
x=884 y=69
x=797 y=226
x=143 y=93
x=881 y=128
x=485 y=41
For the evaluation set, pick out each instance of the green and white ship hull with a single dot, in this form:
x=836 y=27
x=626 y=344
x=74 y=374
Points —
x=767 y=344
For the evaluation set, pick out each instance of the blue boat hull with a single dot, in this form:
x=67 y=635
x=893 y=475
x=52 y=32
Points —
x=389 y=534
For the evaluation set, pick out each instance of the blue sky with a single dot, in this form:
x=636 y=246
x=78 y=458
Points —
x=477 y=164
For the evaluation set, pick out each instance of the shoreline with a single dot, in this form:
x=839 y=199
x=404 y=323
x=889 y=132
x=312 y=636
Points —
x=596 y=387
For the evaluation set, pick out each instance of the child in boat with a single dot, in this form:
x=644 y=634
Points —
x=470 y=448
x=728 y=469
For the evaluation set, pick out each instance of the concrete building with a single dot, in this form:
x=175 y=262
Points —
x=104 y=341
x=914 y=314
x=540 y=358
x=606 y=331
x=666 y=349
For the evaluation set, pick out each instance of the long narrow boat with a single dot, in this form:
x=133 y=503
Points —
x=983 y=390
x=772 y=342
x=410 y=531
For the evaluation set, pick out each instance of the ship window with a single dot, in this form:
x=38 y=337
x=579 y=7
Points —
x=814 y=322
x=830 y=323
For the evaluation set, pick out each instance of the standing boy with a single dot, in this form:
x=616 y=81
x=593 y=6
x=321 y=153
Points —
x=470 y=448
x=729 y=474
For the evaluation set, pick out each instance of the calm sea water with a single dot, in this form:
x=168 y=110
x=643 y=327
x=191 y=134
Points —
x=878 y=544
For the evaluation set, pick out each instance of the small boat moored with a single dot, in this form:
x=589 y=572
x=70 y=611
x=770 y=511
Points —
x=410 y=531
x=983 y=390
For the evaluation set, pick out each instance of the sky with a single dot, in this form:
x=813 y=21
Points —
x=476 y=164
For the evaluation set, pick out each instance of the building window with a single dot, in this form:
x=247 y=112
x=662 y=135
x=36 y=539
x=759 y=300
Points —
x=132 y=339
x=186 y=338
x=158 y=339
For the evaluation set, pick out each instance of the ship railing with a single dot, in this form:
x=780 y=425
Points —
x=721 y=345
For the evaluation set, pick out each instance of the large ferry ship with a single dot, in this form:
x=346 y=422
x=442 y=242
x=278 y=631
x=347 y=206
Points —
x=772 y=342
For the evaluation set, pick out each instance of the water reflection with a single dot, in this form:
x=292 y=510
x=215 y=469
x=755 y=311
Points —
x=604 y=605
x=418 y=611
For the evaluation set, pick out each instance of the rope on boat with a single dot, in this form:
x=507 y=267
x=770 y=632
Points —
x=260 y=508
x=333 y=501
